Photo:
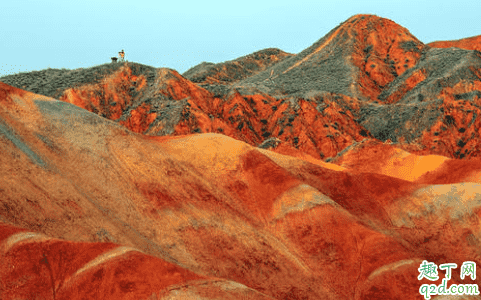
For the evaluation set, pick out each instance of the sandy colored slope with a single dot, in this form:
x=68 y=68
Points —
x=301 y=208
x=223 y=160
x=448 y=199
x=380 y=158
x=375 y=157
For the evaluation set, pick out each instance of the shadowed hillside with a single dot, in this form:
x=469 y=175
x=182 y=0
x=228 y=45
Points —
x=435 y=105
x=235 y=70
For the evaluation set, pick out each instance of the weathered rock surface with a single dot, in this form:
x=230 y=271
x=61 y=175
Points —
x=208 y=206
x=330 y=174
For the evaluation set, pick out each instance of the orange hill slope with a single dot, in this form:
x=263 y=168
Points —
x=375 y=157
x=372 y=156
x=471 y=43
x=286 y=227
x=36 y=266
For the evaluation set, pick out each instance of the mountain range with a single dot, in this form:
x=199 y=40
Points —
x=332 y=173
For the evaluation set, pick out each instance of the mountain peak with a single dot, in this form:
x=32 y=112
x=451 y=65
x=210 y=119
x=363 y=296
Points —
x=358 y=17
x=358 y=58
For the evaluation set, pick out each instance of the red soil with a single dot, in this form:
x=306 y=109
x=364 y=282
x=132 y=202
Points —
x=210 y=214
x=471 y=43
x=383 y=50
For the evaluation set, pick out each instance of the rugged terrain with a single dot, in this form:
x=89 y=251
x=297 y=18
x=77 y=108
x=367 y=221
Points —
x=328 y=174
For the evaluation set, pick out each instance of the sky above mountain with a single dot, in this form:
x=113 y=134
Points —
x=37 y=35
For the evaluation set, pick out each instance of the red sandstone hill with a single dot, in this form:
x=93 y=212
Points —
x=368 y=77
x=35 y=266
x=471 y=43
x=329 y=174
x=208 y=207
x=162 y=102
x=358 y=58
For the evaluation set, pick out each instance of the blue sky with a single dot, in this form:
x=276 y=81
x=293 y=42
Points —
x=36 y=35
